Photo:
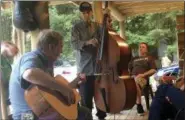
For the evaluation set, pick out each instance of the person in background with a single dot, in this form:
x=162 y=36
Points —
x=165 y=61
x=142 y=66
x=8 y=52
x=85 y=37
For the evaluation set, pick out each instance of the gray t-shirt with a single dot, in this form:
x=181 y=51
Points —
x=17 y=86
x=85 y=55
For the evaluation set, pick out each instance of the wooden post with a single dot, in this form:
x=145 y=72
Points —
x=98 y=11
x=115 y=12
x=18 y=38
x=122 y=29
x=180 y=36
x=3 y=102
x=16 y=42
x=34 y=40
x=3 y=110
x=42 y=16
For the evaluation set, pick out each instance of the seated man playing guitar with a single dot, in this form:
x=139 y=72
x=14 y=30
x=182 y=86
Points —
x=36 y=68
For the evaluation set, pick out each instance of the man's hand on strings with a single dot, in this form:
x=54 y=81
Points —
x=82 y=77
x=69 y=94
x=71 y=97
x=93 y=42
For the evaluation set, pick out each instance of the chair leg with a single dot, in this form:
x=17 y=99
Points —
x=146 y=95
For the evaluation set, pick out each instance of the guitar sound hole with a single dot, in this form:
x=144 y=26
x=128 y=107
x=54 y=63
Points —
x=57 y=94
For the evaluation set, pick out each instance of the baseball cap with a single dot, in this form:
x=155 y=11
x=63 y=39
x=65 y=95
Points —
x=85 y=6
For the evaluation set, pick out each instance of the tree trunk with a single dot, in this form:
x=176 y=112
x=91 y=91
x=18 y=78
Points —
x=122 y=29
x=3 y=111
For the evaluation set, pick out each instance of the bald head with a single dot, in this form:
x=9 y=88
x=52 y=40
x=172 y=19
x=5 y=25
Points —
x=51 y=43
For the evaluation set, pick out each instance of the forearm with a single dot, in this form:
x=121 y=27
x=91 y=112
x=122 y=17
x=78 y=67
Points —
x=77 y=44
x=39 y=77
x=149 y=73
x=76 y=41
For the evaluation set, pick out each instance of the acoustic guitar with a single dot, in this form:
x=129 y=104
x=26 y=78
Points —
x=46 y=102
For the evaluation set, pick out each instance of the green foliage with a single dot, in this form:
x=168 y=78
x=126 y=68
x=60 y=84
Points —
x=171 y=49
x=61 y=19
x=28 y=43
x=152 y=28
x=136 y=25
x=115 y=25
x=66 y=9
x=149 y=28
x=160 y=34
x=135 y=39
x=6 y=25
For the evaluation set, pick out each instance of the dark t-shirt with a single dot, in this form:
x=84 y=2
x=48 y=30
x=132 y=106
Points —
x=139 y=65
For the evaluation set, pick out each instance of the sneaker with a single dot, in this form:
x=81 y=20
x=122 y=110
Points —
x=140 y=110
x=101 y=118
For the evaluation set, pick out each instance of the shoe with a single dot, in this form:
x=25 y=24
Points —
x=140 y=110
x=101 y=118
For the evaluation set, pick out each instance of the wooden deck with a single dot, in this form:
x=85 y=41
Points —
x=126 y=114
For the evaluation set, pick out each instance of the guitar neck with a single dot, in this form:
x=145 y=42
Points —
x=75 y=83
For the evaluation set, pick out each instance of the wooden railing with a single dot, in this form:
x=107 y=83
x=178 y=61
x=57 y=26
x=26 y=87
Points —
x=180 y=29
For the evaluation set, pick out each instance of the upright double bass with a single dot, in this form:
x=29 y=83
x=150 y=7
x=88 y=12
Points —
x=111 y=91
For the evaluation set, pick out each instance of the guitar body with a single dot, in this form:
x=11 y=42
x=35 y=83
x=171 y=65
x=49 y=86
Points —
x=45 y=102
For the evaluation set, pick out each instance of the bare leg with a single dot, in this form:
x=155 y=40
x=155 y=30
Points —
x=138 y=99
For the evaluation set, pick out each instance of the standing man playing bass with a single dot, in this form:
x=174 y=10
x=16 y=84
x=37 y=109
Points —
x=84 y=38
